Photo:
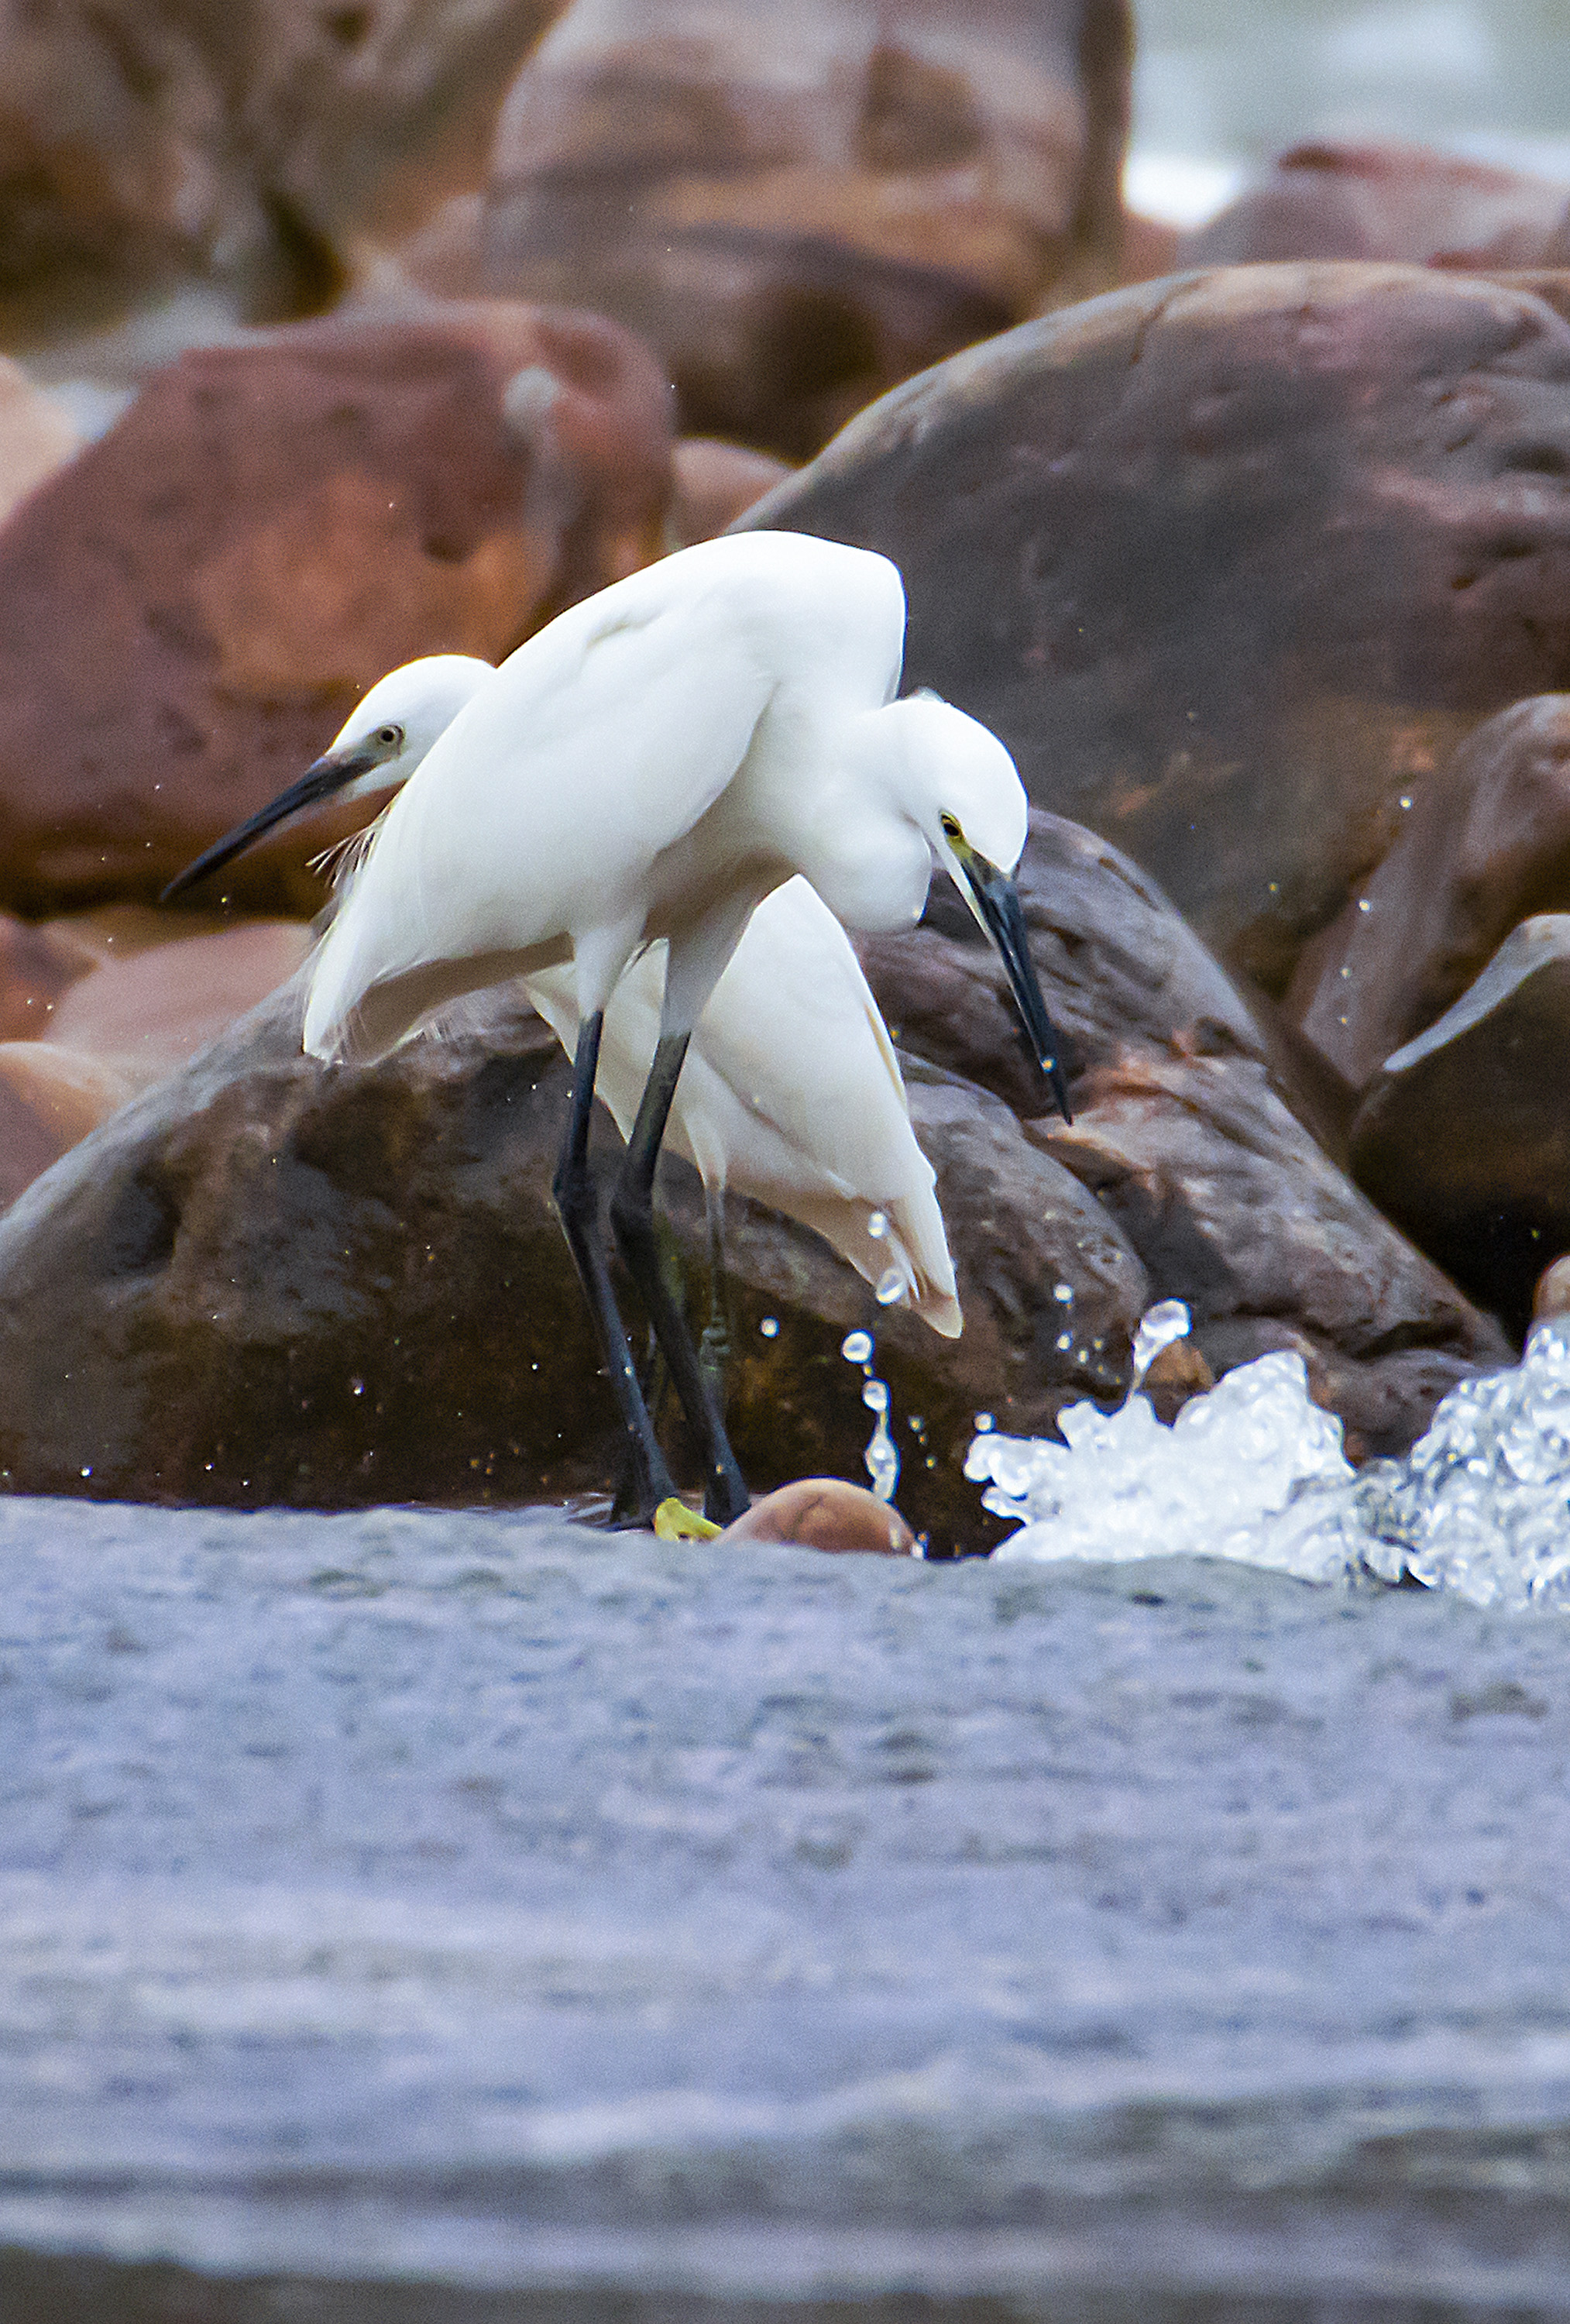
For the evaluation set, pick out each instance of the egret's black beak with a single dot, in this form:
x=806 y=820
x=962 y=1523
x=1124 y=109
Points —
x=998 y=908
x=329 y=775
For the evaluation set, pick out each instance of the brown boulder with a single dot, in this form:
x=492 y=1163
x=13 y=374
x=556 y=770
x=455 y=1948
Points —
x=148 y=1014
x=1231 y=562
x=51 y=1098
x=1463 y=1138
x=193 y=606
x=800 y=207
x=714 y=483
x=36 y=437
x=245 y=135
x=1385 y=200
x=1484 y=845
x=265 y=1280
x=36 y=966
x=1552 y=1295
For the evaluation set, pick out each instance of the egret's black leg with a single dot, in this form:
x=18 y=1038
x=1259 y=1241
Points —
x=714 y=1347
x=574 y=1189
x=725 y=1495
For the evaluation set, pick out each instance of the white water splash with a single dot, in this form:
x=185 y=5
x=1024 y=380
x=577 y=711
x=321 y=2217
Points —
x=882 y=1454
x=1481 y=1503
x=1253 y=1471
x=1159 y=1326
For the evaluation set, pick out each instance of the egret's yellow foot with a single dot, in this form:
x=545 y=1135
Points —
x=675 y=1521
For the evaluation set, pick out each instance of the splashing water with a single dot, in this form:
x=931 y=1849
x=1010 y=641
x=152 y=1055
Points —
x=882 y=1454
x=1253 y=1471
x=1159 y=1326
x=1481 y=1503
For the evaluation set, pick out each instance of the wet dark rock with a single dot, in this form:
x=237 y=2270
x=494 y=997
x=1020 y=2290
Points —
x=799 y=208
x=1119 y=968
x=1484 y=845
x=268 y=1281
x=1231 y=562
x=1235 y=1210
x=193 y=606
x=1465 y=1137
x=1384 y=199
x=1196 y=1132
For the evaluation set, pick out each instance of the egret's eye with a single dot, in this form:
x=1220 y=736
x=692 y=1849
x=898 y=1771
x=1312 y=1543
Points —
x=950 y=827
x=391 y=736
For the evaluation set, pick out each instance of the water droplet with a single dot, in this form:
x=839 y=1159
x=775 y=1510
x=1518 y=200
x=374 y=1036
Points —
x=874 y=1396
x=856 y=1347
x=1364 y=905
x=1065 y=1340
x=877 y=1225
x=88 y=1470
x=891 y=1287
x=983 y=1423
x=1405 y=800
x=357 y=1387
x=1159 y=1326
x=769 y=1328
x=1063 y=1292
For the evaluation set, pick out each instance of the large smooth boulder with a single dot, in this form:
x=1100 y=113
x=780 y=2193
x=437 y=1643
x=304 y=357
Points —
x=269 y=1281
x=1231 y=562
x=249 y=136
x=192 y=607
x=800 y=207
x=1484 y=845
x=1196 y=1132
x=1465 y=1137
x=1385 y=200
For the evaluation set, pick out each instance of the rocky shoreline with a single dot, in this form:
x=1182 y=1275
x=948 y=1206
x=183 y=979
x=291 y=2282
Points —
x=1259 y=567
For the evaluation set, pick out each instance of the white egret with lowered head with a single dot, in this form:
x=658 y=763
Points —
x=649 y=767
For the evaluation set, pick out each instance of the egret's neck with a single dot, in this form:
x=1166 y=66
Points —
x=863 y=850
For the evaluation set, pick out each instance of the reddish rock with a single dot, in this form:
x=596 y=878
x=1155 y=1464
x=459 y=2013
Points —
x=799 y=207
x=36 y=437
x=247 y=136
x=715 y=483
x=36 y=965
x=145 y=1015
x=193 y=606
x=1484 y=845
x=1464 y=1137
x=1231 y=563
x=1150 y=248
x=50 y=1100
x=824 y=1513
x=1384 y=199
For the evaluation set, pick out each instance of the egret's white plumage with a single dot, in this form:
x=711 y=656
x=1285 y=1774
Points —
x=641 y=776
x=651 y=765
x=790 y=1093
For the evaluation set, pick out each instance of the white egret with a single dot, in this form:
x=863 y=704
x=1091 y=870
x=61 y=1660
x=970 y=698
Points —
x=649 y=767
